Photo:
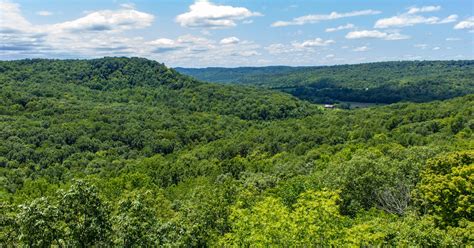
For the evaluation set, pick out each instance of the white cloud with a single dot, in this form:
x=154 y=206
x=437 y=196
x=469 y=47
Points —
x=79 y=38
x=128 y=5
x=162 y=42
x=21 y=37
x=466 y=24
x=342 y=27
x=298 y=48
x=410 y=18
x=449 y=19
x=204 y=14
x=186 y=44
x=404 y=20
x=195 y=44
x=453 y=39
x=108 y=20
x=317 y=18
x=44 y=13
x=376 y=34
x=11 y=18
x=246 y=53
x=415 y=10
x=229 y=40
x=421 y=46
x=200 y=51
x=182 y=46
x=360 y=49
x=16 y=33
x=312 y=43
x=277 y=48
x=102 y=33
x=436 y=48
x=163 y=45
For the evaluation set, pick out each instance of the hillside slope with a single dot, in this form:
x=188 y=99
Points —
x=383 y=82
x=118 y=79
x=126 y=152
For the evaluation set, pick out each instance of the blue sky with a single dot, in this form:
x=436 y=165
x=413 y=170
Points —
x=239 y=33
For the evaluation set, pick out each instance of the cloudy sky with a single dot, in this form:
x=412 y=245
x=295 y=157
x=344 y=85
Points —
x=239 y=33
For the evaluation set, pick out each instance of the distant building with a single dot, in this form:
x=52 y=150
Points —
x=329 y=106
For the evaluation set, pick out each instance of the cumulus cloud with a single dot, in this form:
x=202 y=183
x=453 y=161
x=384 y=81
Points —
x=162 y=42
x=200 y=51
x=317 y=18
x=11 y=19
x=187 y=44
x=229 y=40
x=204 y=14
x=415 y=10
x=312 y=43
x=376 y=34
x=342 y=27
x=108 y=20
x=410 y=18
x=102 y=33
x=360 y=49
x=18 y=35
x=78 y=36
x=163 y=45
x=449 y=19
x=303 y=47
x=466 y=24
x=405 y=20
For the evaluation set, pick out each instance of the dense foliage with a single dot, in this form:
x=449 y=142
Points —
x=126 y=152
x=385 y=82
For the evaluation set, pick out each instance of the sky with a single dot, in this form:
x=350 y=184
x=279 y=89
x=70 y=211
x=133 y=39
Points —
x=231 y=33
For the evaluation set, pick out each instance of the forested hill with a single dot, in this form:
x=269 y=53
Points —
x=109 y=80
x=124 y=152
x=383 y=82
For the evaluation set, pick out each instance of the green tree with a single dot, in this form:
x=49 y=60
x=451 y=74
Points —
x=266 y=224
x=316 y=219
x=85 y=215
x=313 y=221
x=139 y=217
x=446 y=188
x=39 y=223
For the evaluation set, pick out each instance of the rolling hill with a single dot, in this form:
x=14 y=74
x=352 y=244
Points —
x=383 y=82
x=125 y=151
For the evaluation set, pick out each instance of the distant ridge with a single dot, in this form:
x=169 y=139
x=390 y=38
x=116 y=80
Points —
x=382 y=82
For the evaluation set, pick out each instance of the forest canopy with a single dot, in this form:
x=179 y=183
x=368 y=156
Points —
x=381 y=82
x=127 y=152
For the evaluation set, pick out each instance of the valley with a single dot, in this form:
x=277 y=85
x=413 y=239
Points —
x=120 y=151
